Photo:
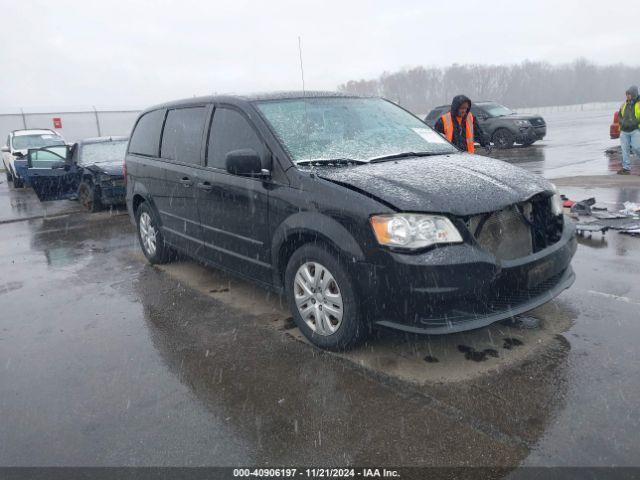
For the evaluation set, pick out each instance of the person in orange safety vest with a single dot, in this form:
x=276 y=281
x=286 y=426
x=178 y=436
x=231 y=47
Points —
x=460 y=127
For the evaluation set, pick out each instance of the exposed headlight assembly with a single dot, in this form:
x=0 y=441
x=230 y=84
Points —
x=412 y=231
x=556 y=202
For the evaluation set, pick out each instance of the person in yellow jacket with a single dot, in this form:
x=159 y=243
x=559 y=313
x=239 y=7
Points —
x=629 y=118
x=460 y=127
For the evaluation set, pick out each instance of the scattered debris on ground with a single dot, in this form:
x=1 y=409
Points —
x=593 y=218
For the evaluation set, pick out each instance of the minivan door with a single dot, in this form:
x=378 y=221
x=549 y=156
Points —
x=50 y=173
x=234 y=209
x=181 y=156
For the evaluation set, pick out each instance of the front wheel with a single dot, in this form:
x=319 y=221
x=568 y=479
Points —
x=322 y=299
x=89 y=197
x=503 y=138
x=150 y=236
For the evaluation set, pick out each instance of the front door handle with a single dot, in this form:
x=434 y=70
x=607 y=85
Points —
x=205 y=186
x=186 y=181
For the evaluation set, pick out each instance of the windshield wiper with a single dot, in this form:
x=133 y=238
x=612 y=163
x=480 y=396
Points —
x=330 y=161
x=402 y=155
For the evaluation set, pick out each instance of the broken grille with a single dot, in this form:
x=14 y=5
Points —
x=518 y=230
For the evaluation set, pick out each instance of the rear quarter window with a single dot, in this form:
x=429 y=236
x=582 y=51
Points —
x=145 y=139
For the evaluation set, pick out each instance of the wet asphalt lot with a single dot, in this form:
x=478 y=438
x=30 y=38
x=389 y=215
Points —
x=108 y=361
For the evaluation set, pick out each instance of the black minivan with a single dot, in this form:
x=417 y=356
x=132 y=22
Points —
x=354 y=208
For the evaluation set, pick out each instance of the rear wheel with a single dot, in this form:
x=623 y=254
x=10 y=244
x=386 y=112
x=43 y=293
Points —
x=322 y=298
x=150 y=236
x=503 y=138
x=89 y=197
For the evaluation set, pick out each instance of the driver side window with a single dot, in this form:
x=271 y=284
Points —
x=230 y=131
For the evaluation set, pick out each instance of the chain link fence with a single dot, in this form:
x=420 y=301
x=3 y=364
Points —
x=72 y=125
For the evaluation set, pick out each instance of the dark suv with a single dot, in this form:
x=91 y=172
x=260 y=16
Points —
x=352 y=207
x=501 y=125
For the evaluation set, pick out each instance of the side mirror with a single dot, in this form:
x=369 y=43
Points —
x=18 y=154
x=245 y=162
x=60 y=165
x=5 y=149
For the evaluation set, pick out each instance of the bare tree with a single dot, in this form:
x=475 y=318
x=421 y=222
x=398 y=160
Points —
x=527 y=84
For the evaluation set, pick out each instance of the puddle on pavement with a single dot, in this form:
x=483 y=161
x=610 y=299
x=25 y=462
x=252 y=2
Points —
x=412 y=358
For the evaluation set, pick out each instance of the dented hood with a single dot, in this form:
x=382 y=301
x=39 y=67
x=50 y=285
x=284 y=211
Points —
x=459 y=184
x=113 y=168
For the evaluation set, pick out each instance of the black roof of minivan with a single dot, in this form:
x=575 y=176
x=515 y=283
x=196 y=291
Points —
x=252 y=98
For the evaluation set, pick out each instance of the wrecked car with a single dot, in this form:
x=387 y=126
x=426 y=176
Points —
x=352 y=207
x=91 y=171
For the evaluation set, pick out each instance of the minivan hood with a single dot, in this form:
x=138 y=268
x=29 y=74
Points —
x=458 y=184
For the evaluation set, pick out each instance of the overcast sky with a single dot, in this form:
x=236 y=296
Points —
x=136 y=53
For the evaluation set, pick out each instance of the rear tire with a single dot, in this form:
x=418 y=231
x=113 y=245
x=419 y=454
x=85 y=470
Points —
x=89 y=197
x=503 y=138
x=150 y=236
x=323 y=299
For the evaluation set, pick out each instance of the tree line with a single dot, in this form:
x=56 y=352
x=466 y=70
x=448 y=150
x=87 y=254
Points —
x=527 y=84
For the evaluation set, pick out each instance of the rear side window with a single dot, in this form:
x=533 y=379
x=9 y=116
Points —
x=182 y=136
x=230 y=131
x=145 y=139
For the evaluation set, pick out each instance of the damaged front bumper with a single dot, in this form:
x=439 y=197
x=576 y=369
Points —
x=462 y=287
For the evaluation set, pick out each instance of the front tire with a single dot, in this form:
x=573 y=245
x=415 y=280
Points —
x=89 y=197
x=150 y=236
x=503 y=138
x=323 y=299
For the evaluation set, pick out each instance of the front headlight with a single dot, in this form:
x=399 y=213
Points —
x=523 y=123
x=408 y=230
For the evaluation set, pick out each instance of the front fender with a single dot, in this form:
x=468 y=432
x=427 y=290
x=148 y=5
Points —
x=318 y=225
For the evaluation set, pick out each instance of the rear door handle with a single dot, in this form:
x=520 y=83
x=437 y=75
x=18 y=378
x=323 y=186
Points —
x=186 y=181
x=205 y=186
